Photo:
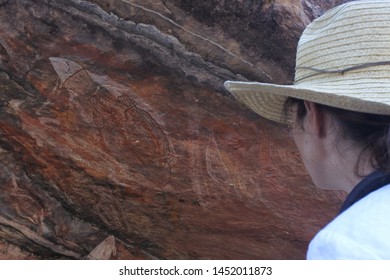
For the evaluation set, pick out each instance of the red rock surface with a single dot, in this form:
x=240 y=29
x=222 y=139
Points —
x=114 y=122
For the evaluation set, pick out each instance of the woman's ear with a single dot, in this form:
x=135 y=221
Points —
x=315 y=119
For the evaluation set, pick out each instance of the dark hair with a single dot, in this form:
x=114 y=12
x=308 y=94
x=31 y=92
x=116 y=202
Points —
x=370 y=131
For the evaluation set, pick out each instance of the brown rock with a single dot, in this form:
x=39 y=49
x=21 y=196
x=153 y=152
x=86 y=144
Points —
x=114 y=122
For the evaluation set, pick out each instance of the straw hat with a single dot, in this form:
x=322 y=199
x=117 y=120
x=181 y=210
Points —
x=343 y=60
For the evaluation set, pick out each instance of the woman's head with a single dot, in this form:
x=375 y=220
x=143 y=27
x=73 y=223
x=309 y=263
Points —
x=365 y=134
x=343 y=61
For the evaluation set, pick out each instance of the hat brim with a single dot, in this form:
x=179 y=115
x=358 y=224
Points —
x=268 y=100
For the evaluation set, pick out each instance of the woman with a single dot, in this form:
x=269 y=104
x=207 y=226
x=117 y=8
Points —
x=339 y=109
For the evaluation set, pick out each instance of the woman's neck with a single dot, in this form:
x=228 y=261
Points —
x=344 y=175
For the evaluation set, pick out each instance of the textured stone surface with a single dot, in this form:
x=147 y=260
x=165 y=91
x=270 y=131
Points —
x=118 y=140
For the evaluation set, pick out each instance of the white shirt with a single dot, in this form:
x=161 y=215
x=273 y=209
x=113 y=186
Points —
x=360 y=232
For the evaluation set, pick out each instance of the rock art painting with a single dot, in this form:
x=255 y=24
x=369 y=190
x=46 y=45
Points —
x=123 y=129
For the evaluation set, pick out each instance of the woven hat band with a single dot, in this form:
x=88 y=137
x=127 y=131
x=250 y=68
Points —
x=377 y=71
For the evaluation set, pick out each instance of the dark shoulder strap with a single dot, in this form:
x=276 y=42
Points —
x=369 y=184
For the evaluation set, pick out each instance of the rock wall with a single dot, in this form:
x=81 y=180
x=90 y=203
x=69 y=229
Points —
x=117 y=139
